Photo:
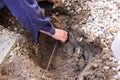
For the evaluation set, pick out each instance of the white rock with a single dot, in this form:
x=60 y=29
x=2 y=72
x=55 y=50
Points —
x=119 y=62
x=115 y=46
x=118 y=68
x=79 y=39
x=106 y=67
x=115 y=69
x=113 y=59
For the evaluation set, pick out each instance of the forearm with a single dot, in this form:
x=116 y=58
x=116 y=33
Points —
x=1 y=4
x=52 y=1
x=29 y=14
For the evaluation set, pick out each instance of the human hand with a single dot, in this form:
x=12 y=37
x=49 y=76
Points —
x=53 y=1
x=60 y=34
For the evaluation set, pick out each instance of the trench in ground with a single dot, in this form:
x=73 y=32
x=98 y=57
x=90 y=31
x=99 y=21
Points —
x=71 y=58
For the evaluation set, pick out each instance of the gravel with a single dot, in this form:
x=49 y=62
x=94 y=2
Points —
x=103 y=24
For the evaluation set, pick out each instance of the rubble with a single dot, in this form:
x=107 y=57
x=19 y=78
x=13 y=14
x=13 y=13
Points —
x=7 y=41
x=103 y=22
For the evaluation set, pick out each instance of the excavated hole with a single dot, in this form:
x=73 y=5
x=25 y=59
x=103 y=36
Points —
x=70 y=58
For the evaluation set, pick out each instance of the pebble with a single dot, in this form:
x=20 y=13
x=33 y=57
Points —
x=79 y=39
x=78 y=50
x=118 y=62
x=113 y=59
x=113 y=68
x=106 y=67
x=95 y=65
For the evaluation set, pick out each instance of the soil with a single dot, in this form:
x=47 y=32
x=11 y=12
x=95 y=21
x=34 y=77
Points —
x=77 y=59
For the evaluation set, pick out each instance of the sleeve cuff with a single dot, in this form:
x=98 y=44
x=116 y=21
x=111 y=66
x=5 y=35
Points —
x=52 y=30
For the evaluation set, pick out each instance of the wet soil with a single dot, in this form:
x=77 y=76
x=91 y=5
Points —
x=77 y=59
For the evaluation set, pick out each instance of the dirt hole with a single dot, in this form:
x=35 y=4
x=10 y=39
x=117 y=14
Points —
x=71 y=58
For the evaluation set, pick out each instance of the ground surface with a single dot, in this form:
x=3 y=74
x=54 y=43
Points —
x=80 y=58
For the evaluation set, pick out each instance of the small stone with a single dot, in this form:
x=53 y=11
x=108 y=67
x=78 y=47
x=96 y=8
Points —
x=113 y=59
x=95 y=65
x=115 y=69
x=7 y=42
x=118 y=68
x=106 y=67
x=79 y=39
x=118 y=62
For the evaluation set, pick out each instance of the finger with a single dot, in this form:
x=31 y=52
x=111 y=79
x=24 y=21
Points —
x=65 y=37
x=55 y=1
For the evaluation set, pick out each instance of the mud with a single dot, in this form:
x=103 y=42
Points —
x=77 y=59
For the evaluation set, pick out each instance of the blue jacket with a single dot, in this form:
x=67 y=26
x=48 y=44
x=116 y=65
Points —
x=29 y=14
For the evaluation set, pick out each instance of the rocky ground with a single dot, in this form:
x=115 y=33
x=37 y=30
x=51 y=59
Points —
x=92 y=26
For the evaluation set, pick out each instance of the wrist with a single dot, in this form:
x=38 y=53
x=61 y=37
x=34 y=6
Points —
x=53 y=1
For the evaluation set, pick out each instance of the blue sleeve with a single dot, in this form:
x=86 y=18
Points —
x=29 y=15
x=1 y=4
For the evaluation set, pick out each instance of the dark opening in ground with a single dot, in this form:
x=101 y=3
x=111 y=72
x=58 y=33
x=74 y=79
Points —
x=71 y=58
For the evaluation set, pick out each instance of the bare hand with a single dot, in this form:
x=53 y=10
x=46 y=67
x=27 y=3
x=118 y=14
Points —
x=60 y=34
